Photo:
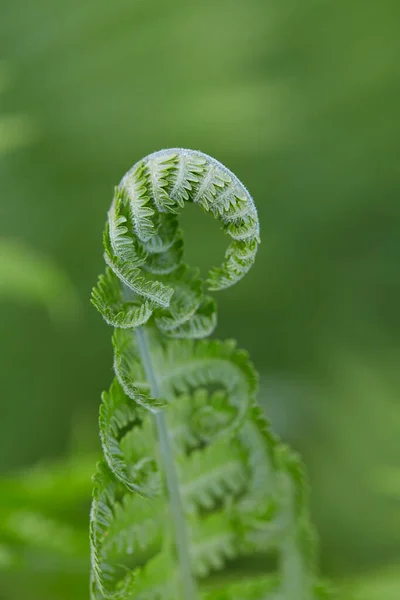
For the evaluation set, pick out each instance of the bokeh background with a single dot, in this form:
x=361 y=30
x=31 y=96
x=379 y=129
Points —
x=301 y=100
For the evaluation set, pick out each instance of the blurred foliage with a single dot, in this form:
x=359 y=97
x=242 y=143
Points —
x=300 y=99
x=43 y=530
x=374 y=586
x=16 y=130
x=26 y=277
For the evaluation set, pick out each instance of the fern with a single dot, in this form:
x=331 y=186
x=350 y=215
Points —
x=195 y=498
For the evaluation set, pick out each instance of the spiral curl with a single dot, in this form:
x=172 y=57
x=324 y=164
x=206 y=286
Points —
x=243 y=493
x=144 y=244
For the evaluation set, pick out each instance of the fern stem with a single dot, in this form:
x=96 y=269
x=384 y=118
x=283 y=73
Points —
x=170 y=474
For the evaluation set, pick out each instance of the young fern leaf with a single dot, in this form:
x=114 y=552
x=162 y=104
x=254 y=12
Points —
x=195 y=499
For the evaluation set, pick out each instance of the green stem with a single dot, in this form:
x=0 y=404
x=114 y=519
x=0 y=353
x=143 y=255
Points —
x=171 y=477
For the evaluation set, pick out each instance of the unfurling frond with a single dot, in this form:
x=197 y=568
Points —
x=194 y=487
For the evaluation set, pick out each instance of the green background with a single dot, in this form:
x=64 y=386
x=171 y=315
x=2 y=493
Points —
x=301 y=101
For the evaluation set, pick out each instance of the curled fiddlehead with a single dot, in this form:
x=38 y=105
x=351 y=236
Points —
x=195 y=497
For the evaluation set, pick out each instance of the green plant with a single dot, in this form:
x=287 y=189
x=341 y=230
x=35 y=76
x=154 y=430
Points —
x=195 y=497
x=43 y=529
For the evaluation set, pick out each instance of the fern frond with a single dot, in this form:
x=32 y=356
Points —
x=125 y=531
x=140 y=209
x=190 y=314
x=104 y=573
x=155 y=291
x=159 y=168
x=156 y=581
x=186 y=365
x=129 y=370
x=167 y=233
x=211 y=184
x=214 y=542
x=265 y=587
x=186 y=177
x=108 y=298
x=135 y=528
x=209 y=475
x=193 y=480
x=239 y=258
x=117 y=240
x=129 y=454
x=182 y=425
x=166 y=262
x=201 y=324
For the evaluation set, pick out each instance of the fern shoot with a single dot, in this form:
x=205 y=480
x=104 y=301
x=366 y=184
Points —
x=195 y=498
